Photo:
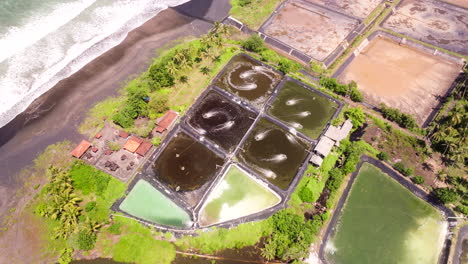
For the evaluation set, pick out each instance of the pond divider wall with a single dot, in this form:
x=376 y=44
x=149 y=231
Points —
x=405 y=42
x=405 y=182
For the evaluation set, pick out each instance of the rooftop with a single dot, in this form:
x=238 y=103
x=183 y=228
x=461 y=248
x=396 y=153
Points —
x=81 y=149
x=339 y=133
x=166 y=121
x=133 y=144
x=324 y=146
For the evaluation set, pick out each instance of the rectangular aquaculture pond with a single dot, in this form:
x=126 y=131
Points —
x=146 y=202
x=303 y=109
x=186 y=164
x=220 y=120
x=237 y=195
x=274 y=153
x=383 y=222
x=249 y=80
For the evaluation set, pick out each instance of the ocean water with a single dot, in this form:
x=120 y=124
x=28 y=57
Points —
x=44 y=41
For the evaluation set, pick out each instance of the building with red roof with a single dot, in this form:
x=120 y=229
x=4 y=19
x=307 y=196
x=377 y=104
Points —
x=80 y=149
x=144 y=147
x=133 y=144
x=167 y=121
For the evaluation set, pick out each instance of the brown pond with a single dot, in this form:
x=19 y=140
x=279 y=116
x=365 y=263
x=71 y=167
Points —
x=249 y=80
x=274 y=153
x=221 y=120
x=186 y=164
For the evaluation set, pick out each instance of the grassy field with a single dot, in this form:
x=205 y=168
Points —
x=383 y=222
x=254 y=13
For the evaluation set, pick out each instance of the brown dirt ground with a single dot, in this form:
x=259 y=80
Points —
x=314 y=31
x=357 y=8
x=401 y=77
x=433 y=22
x=462 y=3
x=401 y=150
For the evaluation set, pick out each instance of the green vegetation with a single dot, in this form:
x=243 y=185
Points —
x=253 y=12
x=383 y=156
x=143 y=249
x=254 y=43
x=400 y=167
x=402 y=119
x=349 y=90
x=356 y=115
x=418 y=179
x=394 y=226
x=291 y=236
x=243 y=235
x=114 y=146
x=74 y=205
x=446 y=195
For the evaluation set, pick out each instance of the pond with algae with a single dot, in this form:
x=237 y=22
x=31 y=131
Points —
x=305 y=110
x=146 y=202
x=383 y=222
x=249 y=80
x=186 y=164
x=274 y=153
x=220 y=120
x=237 y=195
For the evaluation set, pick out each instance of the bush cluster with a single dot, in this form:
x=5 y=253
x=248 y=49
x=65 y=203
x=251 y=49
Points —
x=383 y=156
x=418 y=179
x=254 y=43
x=446 y=195
x=86 y=240
x=342 y=89
x=400 y=167
x=402 y=119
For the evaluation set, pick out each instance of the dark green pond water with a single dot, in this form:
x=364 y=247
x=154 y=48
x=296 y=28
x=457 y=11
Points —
x=249 y=80
x=221 y=120
x=186 y=164
x=303 y=109
x=274 y=153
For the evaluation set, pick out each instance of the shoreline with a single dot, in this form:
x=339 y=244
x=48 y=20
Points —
x=56 y=115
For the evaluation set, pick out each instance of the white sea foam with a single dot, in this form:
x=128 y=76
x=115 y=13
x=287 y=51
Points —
x=55 y=45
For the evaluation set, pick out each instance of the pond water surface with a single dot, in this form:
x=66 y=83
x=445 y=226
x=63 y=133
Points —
x=303 y=109
x=221 y=120
x=274 y=153
x=186 y=164
x=249 y=80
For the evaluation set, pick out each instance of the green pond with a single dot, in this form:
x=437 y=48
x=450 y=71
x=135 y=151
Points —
x=274 y=153
x=237 y=195
x=303 y=109
x=146 y=202
x=383 y=222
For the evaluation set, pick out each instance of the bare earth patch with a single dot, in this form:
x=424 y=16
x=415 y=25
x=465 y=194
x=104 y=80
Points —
x=401 y=77
x=462 y=3
x=310 y=29
x=357 y=8
x=436 y=23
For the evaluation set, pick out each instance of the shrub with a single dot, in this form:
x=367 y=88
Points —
x=383 y=156
x=306 y=194
x=270 y=55
x=285 y=66
x=157 y=106
x=113 y=145
x=156 y=141
x=393 y=114
x=86 y=240
x=446 y=195
x=335 y=179
x=65 y=256
x=244 y=2
x=354 y=93
x=356 y=115
x=462 y=209
x=418 y=179
x=123 y=119
x=400 y=167
x=254 y=43
x=159 y=76
x=333 y=85
x=115 y=228
x=90 y=206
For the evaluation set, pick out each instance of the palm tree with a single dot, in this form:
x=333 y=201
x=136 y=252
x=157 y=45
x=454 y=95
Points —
x=172 y=68
x=183 y=79
x=205 y=70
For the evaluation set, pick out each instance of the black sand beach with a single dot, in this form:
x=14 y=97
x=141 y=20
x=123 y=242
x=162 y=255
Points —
x=56 y=115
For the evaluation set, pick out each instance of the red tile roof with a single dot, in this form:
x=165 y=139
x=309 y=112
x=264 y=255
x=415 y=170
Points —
x=132 y=144
x=98 y=135
x=80 y=149
x=166 y=121
x=123 y=134
x=144 y=148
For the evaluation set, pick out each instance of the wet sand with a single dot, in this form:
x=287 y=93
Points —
x=55 y=116
x=401 y=77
